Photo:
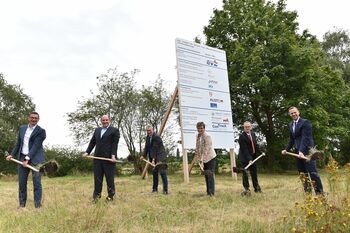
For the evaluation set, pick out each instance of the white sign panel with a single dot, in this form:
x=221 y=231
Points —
x=204 y=93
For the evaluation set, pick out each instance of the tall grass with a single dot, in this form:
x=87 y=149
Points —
x=325 y=213
x=67 y=206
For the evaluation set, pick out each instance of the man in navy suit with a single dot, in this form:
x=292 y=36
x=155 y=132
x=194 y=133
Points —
x=248 y=150
x=300 y=141
x=29 y=149
x=106 y=140
x=154 y=149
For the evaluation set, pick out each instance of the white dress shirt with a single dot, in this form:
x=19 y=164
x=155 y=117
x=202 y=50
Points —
x=25 y=148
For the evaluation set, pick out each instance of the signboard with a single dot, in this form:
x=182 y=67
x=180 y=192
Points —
x=204 y=93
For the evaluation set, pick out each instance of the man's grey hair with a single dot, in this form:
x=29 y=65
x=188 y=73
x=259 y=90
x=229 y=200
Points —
x=149 y=127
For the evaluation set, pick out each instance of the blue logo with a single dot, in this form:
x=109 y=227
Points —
x=213 y=105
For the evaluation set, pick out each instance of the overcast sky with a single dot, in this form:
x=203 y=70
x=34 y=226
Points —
x=55 y=49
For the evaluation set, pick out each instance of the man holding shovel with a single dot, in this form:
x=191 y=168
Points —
x=248 y=150
x=29 y=150
x=301 y=141
x=105 y=139
x=155 y=151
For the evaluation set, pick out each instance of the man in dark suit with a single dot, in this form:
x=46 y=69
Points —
x=29 y=149
x=106 y=140
x=155 y=151
x=300 y=141
x=248 y=150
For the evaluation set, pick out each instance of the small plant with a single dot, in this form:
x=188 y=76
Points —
x=324 y=213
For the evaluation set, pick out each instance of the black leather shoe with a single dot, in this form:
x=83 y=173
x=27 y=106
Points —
x=246 y=193
x=154 y=191
x=165 y=193
x=109 y=199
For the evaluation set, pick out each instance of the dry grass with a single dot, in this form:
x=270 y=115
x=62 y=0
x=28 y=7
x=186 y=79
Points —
x=67 y=206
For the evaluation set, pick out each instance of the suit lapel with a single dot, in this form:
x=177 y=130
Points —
x=35 y=131
x=298 y=125
x=246 y=137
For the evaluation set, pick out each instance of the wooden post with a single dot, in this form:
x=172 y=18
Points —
x=185 y=165
x=233 y=163
x=173 y=98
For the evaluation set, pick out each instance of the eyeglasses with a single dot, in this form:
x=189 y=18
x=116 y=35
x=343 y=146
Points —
x=34 y=117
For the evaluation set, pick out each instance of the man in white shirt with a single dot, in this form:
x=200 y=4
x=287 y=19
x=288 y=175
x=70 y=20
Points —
x=29 y=149
x=300 y=142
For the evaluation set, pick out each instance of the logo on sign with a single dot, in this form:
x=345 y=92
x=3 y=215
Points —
x=216 y=126
x=216 y=100
x=213 y=105
x=212 y=63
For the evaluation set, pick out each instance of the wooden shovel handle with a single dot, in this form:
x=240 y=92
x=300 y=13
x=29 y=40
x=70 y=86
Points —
x=153 y=165
x=29 y=166
x=102 y=158
x=298 y=156
x=246 y=167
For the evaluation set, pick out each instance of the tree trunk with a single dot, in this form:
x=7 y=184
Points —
x=270 y=152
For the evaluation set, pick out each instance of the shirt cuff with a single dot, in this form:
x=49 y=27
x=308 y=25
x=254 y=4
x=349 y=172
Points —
x=27 y=158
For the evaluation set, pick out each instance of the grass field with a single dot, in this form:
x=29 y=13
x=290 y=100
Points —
x=67 y=206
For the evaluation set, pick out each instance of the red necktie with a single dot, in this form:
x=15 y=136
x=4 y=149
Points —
x=251 y=140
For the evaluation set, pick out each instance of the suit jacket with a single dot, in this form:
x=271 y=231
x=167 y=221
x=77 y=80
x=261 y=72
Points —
x=245 y=147
x=301 y=139
x=155 y=149
x=36 y=150
x=204 y=148
x=107 y=145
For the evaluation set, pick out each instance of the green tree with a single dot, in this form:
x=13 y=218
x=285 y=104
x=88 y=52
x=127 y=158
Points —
x=272 y=67
x=114 y=91
x=336 y=44
x=130 y=110
x=147 y=107
x=15 y=106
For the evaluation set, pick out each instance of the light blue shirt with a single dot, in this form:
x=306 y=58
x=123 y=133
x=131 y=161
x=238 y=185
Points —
x=103 y=131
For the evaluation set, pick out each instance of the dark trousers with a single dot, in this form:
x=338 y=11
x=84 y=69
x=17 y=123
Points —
x=103 y=168
x=23 y=173
x=209 y=171
x=309 y=168
x=254 y=174
x=163 y=174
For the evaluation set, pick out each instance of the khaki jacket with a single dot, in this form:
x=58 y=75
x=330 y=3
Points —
x=204 y=148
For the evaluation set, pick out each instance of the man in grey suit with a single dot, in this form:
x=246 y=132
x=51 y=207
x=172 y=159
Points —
x=29 y=149
x=105 y=139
